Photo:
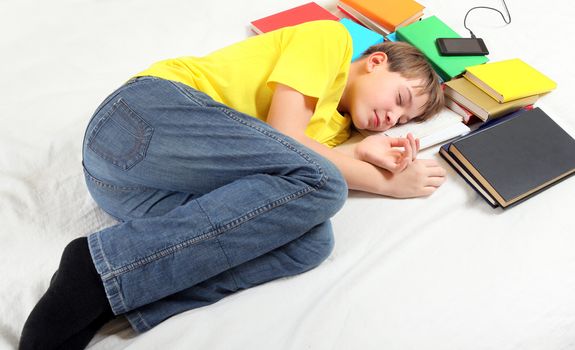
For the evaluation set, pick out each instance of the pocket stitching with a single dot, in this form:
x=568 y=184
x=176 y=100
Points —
x=109 y=187
x=143 y=140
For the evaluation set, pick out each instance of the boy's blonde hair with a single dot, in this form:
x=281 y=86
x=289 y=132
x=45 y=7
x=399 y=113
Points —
x=410 y=63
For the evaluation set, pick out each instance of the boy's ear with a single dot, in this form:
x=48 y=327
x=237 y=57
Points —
x=376 y=60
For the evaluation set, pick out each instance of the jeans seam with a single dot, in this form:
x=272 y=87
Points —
x=230 y=113
x=213 y=233
x=219 y=243
x=110 y=187
x=228 y=261
x=187 y=95
x=141 y=319
x=205 y=214
x=112 y=292
x=119 y=296
x=101 y=253
x=323 y=178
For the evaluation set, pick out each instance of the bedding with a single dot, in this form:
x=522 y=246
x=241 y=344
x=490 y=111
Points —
x=444 y=272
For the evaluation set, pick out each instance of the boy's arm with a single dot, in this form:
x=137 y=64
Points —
x=290 y=112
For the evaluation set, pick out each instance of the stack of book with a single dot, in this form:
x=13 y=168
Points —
x=514 y=157
x=495 y=89
x=519 y=150
x=382 y=16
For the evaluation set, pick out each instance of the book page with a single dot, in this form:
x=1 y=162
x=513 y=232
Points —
x=443 y=120
x=442 y=127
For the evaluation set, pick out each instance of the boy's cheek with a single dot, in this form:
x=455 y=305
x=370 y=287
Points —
x=359 y=123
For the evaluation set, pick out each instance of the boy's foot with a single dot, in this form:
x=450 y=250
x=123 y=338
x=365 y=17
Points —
x=73 y=308
x=81 y=339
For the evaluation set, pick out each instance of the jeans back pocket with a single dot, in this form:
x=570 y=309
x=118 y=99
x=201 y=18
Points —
x=122 y=137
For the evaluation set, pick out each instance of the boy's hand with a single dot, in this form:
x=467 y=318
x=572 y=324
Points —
x=421 y=178
x=393 y=154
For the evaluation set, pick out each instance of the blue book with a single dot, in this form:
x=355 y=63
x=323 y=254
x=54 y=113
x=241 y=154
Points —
x=391 y=36
x=362 y=37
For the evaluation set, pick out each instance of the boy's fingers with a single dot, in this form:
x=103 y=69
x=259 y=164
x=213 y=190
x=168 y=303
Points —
x=398 y=142
x=413 y=144
x=435 y=181
x=428 y=191
x=436 y=171
x=408 y=150
x=430 y=163
x=399 y=166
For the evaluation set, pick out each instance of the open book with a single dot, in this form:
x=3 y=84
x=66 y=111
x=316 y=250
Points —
x=438 y=129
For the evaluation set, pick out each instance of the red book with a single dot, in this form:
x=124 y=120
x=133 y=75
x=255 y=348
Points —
x=300 y=14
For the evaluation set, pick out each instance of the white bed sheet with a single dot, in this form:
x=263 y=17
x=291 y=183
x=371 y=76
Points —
x=445 y=272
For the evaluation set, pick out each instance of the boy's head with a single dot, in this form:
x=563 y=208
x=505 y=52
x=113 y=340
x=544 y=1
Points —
x=391 y=83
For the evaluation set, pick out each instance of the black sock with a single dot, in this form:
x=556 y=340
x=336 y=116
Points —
x=72 y=304
x=81 y=339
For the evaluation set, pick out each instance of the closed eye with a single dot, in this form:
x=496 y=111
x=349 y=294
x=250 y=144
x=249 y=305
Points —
x=403 y=120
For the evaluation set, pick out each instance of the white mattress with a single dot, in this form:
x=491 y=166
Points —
x=444 y=272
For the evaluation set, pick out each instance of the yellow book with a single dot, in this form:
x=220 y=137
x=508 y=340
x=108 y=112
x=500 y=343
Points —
x=509 y=80
x=481 y=104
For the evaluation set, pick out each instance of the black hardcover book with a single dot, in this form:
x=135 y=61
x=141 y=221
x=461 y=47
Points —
x=466 y=175
x=460 y=168
x=518 y=157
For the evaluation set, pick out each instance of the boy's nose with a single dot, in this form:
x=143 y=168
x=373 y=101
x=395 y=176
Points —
x=390 y=118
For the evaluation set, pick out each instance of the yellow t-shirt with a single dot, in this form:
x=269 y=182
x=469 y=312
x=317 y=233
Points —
x=312 y=58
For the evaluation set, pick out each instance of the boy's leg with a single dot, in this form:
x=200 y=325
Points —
x=298 y=256
x=250 y=190
x=239 y=189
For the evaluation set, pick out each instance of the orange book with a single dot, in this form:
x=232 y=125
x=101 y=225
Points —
x=391 y=14
x=300 y=14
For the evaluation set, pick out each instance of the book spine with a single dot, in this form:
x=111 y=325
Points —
x=469 y=178
x=361 y=19
x=455 y=96
x=365 y=11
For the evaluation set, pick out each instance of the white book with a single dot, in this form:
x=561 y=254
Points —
x=442 y=127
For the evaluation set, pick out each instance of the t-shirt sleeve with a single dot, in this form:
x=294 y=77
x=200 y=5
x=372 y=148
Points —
x=312 y=55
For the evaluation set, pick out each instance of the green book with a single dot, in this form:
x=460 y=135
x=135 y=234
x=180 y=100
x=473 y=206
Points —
x=422 y=34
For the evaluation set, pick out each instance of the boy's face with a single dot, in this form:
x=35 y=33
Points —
x=379 y=99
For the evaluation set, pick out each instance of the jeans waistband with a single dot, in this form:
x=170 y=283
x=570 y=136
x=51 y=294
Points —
x=144 y=77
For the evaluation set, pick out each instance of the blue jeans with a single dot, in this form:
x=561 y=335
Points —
x=210 y=201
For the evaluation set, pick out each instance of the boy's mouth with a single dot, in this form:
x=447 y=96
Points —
x=376 y=120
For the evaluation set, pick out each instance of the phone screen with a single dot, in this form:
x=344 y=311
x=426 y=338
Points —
x=464 y=45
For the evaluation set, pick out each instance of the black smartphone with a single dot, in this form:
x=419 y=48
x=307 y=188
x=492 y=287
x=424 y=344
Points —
x=461 y=47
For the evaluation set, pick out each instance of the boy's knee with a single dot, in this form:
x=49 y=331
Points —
x=335 y=189
x=319 y=247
